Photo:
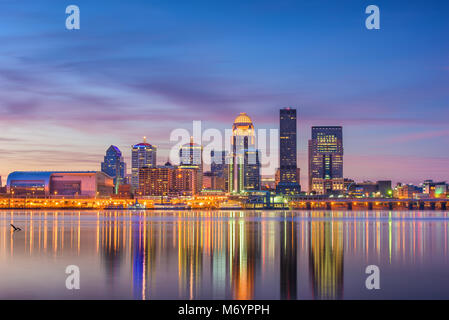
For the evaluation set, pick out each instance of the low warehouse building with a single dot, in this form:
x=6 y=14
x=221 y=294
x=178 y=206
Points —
x=83 y=184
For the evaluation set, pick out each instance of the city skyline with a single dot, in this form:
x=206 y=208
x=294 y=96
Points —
x=66 y=96
x=156 y=159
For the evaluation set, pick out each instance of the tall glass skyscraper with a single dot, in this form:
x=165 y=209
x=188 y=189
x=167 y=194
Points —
x=244 y=164
x=114 y=166
x=142 y=155
x=325 y=158
x=288 y=173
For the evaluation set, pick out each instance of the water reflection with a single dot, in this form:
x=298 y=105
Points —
x=326 y=259
x=223 y=255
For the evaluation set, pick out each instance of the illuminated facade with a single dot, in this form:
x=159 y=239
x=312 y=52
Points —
x=435 y=189
x=185 y=182
x=114 y=166
x=167 y=180
x=324 y=186
x=288 y=173
x=406 y=191
x=244 y=164
x=326 y=159
x=191 y=157
x=143 y=155
x=88 y=184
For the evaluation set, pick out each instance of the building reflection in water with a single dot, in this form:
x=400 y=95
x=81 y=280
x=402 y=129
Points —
x=223 y=255
x=326 y=259
x=288 y=259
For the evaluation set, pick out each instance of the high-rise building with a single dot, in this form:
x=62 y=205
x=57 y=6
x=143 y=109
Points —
x=219 y=167
x=191 y=157
x=114 y=166
x=325 y=159
x=244 y=164
x=288 y=173
x=143 y=155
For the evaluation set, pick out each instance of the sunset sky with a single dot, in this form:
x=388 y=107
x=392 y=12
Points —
x=145 y=68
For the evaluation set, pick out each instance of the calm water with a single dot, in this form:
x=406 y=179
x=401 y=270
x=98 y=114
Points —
x=224 y=255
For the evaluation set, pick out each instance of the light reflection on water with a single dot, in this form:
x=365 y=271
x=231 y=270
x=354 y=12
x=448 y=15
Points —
x=224 y=254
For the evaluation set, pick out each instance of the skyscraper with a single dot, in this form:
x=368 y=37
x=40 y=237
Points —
x=218 y=163
x=288 y=173
x=114 y=166
x=191 y=157
x=325 y=159
x=142 y=155
x=219 y=167
x=244 y=165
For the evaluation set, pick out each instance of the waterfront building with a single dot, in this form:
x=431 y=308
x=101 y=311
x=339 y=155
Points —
x=114 y=166
x=39 y=184
x=363 y=189
x=191 y=157
x=167 y=180
x=384 y=188
x=244 y=163
x=326 y=159
x=155 y=181
x=288 y=170
x=333 y=186
x=185 y=182
x=406 y=191
x=142 y=155
x=435 y=189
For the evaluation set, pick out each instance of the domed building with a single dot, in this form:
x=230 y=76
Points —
x=243 y=133
x=244 y=165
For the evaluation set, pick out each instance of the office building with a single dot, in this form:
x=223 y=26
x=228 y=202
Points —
x=114 y=166
x=191 y=157
x=219 y=167
x=143 y=155
x=326 y=159
x=288 y=167
x=244 y=163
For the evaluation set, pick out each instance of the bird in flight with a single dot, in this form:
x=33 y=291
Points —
x=15 y=228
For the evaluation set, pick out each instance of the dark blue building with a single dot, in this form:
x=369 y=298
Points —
x=113 y=165
x=288 y=166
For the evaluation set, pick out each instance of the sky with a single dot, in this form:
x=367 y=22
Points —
x=145 y=68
